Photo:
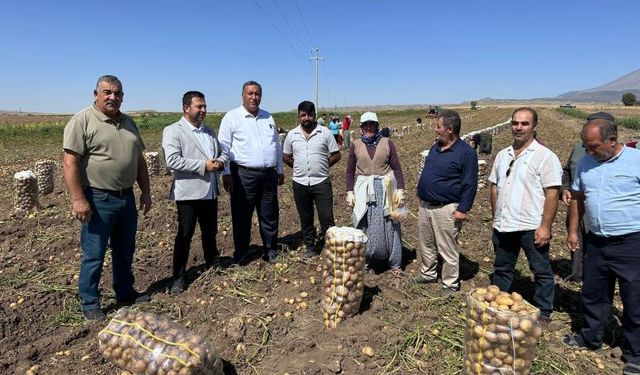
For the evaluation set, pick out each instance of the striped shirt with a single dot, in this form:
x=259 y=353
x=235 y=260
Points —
x=521 y=194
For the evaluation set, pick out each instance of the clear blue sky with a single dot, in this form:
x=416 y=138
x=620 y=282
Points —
x=377 y=52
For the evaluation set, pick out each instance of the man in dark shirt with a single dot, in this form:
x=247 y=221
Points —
x=446 y=189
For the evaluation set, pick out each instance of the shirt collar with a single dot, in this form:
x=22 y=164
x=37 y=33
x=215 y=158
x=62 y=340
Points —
x=298 y=130
x=451 y=148
x=534 y=145
x=194 y=128
x=249 y=114
x=102 y=117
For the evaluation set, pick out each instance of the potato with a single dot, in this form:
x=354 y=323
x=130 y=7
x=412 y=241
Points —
x=343 y=274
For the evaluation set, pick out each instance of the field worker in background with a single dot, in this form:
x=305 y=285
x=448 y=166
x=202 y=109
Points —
x=311 y=150
x=251 y=137
x=102 y=160
x=524 y=182
x=195 y=157
x=346 y=132
x=374 y=185
x=607 y=190
x=321 y=119
x=447 y=188
x=334 y=126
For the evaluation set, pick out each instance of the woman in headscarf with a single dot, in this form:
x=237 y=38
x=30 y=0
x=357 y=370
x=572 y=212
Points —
x=375 y=186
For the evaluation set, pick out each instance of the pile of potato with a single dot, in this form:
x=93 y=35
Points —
x=44 y=172
x=343 y=274
x=26 y=191
x=482 y=173
x=501 y=333
x=153 y=163
x=144 y=343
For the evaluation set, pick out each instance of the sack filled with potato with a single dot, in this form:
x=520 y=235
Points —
x=342 y=274
x=144 y=343
x=501 y=333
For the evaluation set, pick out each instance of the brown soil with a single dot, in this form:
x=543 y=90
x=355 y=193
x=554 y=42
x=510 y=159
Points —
x=241 y=309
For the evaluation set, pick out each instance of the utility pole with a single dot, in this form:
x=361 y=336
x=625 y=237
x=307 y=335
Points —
x=317 y=59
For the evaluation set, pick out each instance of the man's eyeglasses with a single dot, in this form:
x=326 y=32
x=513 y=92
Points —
x=510 y=165
x=523 y=123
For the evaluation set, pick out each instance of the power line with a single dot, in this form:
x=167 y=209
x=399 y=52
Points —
x=278 y=30
x=286 y=21
x=304 y=23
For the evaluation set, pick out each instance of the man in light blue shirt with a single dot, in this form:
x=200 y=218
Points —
x=251 y=137
x=607 y=190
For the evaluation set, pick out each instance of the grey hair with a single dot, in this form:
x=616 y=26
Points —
x=251 y=83
x=113 y=80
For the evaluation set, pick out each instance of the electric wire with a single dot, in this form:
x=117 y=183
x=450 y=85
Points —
x=278 y=30
x=286 y=21
x=304 y=23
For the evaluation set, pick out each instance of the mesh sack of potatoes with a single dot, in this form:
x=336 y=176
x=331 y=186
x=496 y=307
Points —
x=501 y=333
x=144 y=343
x=26 y=191
x=153 y=163
x=44 y=173
x=343 y=274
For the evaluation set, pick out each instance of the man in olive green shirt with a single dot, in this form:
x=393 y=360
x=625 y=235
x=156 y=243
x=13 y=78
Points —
x=102 y=160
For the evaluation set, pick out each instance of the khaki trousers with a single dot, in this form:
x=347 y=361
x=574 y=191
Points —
x=438 y=233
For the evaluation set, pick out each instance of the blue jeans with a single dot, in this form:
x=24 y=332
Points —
x=114 y=221
x=507 y=248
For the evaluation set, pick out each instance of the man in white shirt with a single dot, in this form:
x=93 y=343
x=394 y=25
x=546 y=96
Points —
x=525 y=183
x=195 y=157
x=311 y=150
x=251 y=137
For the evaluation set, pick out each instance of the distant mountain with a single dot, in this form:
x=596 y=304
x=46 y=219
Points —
x=609 y=92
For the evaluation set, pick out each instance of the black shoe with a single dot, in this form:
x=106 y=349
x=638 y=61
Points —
x=448 y=292
x=631 y=369
x=178 y=286
x=94 y=315
x=576 y=342
x=309 y=254
x=139 y=298
x=270 y=257
x=423 y=280
x=573 y=279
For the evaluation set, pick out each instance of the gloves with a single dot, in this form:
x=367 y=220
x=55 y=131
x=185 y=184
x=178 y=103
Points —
x=399 y=198
x=351 y=199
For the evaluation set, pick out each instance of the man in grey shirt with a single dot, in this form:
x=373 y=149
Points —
x=311 y=150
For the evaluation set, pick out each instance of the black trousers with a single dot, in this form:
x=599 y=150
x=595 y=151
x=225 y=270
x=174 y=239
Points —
x=306 y=196
x=577 y=257
x=608 y=259
x=254 y=190
x=204 y=212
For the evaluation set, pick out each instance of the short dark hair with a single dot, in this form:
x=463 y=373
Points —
x=451 y=119
x=418 y=119
x=186 y=98
x=607 y=128
x=530 y=110
x=307 y=107
x=109 y=79
x=251 y=83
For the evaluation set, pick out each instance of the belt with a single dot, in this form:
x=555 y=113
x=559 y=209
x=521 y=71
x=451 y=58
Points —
x=266 y=169
x=117 y=193
x=611 y=239
x=437 y=204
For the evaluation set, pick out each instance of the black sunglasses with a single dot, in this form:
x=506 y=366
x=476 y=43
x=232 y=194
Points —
x=510 y=165
x=523 y=123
